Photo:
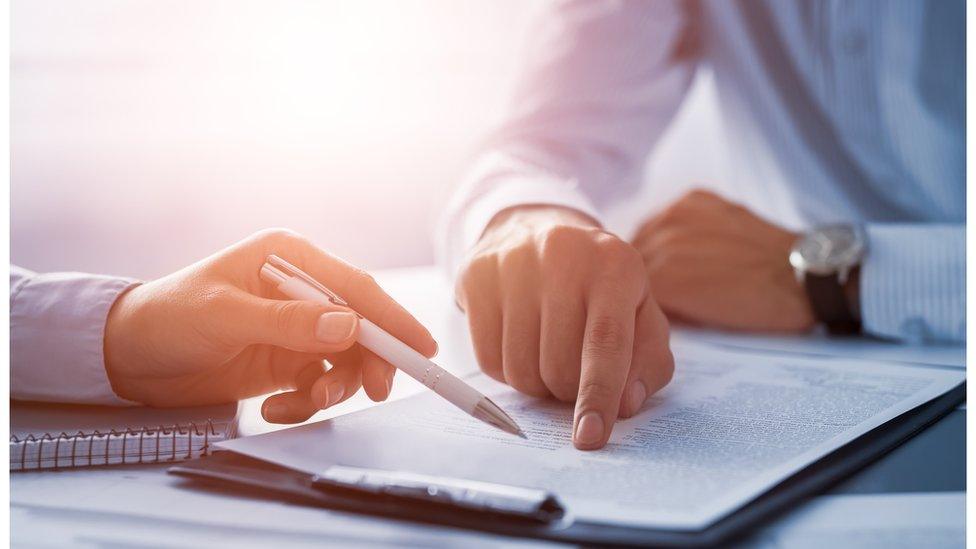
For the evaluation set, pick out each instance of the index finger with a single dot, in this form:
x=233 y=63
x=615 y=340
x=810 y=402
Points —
x=607 y=351
x=357 y=288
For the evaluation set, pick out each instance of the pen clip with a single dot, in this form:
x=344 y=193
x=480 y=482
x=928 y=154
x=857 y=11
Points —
x=287 y=268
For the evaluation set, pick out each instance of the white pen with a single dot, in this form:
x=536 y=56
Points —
x=293 y=282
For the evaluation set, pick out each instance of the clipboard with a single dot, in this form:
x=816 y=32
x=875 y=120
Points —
x=513 y=511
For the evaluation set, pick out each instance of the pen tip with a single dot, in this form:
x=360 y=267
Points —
x=490 y=413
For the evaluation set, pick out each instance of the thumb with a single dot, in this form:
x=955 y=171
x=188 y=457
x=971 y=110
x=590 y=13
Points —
x=303 y=326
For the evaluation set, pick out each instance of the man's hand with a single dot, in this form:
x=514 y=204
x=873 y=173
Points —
x=557 y=306
x=215 y=332
x=715 y=263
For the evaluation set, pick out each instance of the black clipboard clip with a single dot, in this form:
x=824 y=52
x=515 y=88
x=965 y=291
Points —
x=397 y=494
x=481 y=497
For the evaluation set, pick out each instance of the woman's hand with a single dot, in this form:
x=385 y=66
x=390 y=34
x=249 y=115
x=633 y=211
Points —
x=215 y=332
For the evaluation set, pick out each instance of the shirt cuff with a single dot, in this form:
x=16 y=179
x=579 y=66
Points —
x=57 y=332
x=913 y=282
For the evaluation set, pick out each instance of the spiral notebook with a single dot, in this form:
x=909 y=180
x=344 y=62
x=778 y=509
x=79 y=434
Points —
x=48 y=436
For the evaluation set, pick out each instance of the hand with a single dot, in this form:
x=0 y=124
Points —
x=557 y=306
x=215 y=332
x=715 y=263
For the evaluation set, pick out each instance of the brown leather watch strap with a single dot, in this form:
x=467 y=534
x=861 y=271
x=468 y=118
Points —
x=829 y=303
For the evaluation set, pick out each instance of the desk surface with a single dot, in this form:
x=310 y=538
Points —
x=126 y=505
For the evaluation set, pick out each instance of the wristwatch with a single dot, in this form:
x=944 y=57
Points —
x=826 y=262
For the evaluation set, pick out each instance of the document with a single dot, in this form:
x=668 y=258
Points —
x=730 y=426
x=871 y=521
x=820 y=343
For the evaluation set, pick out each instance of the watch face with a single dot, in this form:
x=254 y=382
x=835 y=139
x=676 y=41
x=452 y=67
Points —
x=827 y=250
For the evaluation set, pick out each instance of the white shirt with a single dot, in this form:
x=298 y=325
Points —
x=839 y=111
x=57 y=333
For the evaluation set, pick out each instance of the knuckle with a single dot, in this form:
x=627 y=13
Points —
x=605 y=337
x=665 y=325
x=738 y=210
x=668 y=238
x=517 y=259
x=387 y=312
x=488 y=354
x=667 y=369
x=699 y=194
x=664 y=371
x=633 y=265
x=360 y=280
x=277 y=234
x=494 y=374
x=560 y=241
x=672 y=215
x=477 y=271
x=623 y=267
x=490 y=365
x=287 y=314
x=597 y=391
x=619 y=254
x=560 y=382
x=609 y=243
x=526 y=383
x=520 y=355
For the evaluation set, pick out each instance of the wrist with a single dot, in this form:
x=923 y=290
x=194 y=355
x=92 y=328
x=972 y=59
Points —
x=117 y=344
x=827 y=260
x=852 y=291
x=539 y=216
x=803 y=314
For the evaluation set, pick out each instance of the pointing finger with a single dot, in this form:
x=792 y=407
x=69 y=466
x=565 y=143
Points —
x=607 y=350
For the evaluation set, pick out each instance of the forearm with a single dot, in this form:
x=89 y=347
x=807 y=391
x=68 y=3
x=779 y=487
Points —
x=57 y=328
x=601 y=82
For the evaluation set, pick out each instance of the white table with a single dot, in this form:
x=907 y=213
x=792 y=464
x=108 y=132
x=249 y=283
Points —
x=141 y=505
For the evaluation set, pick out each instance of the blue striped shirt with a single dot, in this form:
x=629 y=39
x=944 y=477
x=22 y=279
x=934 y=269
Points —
x=857 y=107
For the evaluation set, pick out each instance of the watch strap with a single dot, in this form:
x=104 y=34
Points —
x=829 y=303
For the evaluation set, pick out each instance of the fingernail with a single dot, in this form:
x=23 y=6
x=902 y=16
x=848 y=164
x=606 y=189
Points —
x=589 y=430
x=389 y=386
x=636 y=395
x=275 y=412
x=324 y=395
x=336 y=391
x=320 y=396
x=335 y=327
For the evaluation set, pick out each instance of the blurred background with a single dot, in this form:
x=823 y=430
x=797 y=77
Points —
x=146 y=135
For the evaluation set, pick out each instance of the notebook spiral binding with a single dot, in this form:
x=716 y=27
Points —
x=155 y=444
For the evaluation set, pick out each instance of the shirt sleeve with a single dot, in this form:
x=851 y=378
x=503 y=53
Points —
x=600 y=82
x=913 y=282
x=57 y=329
